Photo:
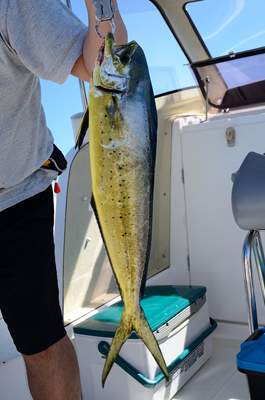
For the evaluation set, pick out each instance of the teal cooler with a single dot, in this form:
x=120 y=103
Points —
x=179 y=319
x=251 y=361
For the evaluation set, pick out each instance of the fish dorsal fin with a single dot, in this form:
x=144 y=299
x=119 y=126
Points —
x=82 y=129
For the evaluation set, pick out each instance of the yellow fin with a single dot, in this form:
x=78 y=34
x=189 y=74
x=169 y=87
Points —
x=129 y=323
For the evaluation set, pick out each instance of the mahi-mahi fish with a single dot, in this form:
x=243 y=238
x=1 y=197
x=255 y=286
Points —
x=122 y=136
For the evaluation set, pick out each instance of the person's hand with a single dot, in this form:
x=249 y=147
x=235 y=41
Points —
x=84 y=65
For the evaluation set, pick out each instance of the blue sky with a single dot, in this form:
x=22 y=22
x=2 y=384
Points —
x=229 y=25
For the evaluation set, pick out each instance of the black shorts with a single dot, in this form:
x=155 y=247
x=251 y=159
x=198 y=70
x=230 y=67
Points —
x=29 y=297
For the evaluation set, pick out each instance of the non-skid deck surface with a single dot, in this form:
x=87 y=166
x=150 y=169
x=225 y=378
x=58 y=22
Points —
x=218 y=379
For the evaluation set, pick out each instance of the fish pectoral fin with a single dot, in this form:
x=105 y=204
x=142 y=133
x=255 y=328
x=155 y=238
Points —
x=123 y=332
x=82 y=129
x=144 y=331
x=111 y=109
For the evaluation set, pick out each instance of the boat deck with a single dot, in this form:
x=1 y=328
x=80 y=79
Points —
x=218 y=379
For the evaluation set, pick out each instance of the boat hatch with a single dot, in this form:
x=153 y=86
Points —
x=233 y=81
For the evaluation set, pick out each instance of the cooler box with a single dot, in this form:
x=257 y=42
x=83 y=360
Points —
x=251 y=361
x=179 y=318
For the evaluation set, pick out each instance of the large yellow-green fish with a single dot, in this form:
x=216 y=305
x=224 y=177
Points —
x=122 y=134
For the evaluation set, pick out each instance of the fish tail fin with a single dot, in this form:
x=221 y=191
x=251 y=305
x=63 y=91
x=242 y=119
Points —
x=143 y=330
x=129 y=323
x=123 y=332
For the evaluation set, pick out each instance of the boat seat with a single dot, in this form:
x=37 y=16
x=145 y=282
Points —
x=248 y=205
x=248 y=193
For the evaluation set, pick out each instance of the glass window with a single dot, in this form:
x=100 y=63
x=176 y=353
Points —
x=167 y=62
x=227 y=25
x=233 y=82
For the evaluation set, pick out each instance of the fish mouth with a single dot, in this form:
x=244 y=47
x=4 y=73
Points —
x=101 y=55
x=109 y=90
x=122 y=51
x=112 y=79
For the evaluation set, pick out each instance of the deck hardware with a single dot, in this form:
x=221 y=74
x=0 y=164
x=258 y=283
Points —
x=87 y=241
x=207 y=81
x=226 y=110
x=104 y=12
x=232 y=54
x=230 y=136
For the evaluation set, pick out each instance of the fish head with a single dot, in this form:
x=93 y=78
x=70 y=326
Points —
x=112 y=67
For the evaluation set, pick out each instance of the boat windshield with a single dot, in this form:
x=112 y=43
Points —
x=226 y=26
x=233 y=33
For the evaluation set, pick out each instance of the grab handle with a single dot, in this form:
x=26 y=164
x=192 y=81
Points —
x=104 y=347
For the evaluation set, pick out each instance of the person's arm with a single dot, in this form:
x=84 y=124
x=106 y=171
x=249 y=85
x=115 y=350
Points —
x=83 y=66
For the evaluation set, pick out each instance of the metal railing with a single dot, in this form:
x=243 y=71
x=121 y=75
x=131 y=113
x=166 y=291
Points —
x=253 y=241
x=81 y=83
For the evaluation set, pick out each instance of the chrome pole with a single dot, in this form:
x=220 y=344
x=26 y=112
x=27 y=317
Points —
x=259 y=258
x=207 y=81
x=248 y=281
x=81 y=83
x=83 y=94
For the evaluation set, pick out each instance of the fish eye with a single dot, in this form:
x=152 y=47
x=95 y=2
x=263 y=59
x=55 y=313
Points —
x=125 y=58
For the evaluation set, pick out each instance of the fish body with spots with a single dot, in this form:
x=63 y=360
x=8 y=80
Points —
x=122 y=132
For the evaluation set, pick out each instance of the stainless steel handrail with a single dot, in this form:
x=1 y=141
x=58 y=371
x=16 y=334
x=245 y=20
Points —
x=253 y=240
x=81 y=82
x=259 y=258
x=248 y=280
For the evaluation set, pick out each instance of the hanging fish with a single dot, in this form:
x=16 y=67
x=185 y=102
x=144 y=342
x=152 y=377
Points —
x=122 y=134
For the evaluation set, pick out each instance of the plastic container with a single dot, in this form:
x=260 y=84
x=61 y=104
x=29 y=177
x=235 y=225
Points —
x=179 y=318
x=251 y=361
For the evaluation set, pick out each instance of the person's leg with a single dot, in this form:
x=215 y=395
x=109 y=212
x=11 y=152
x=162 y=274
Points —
x=53 y=374
x=29 y=297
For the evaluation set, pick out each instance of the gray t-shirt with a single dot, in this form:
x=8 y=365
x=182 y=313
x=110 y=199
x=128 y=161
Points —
x=38 y=38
